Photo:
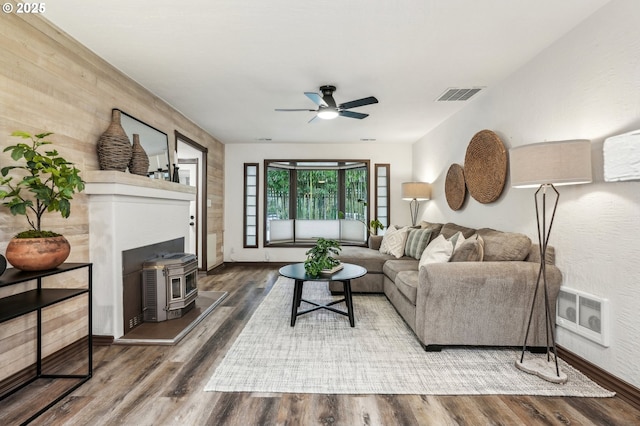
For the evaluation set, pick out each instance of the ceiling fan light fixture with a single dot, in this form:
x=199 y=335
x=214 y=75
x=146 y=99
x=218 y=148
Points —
x=328 y=114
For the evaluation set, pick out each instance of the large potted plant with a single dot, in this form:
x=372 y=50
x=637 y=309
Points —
x=320 y=258
x=50 y=182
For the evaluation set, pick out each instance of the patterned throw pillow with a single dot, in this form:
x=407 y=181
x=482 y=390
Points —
x=438 y=251
x=384 y=245
x=393 y=241
x=417 y=241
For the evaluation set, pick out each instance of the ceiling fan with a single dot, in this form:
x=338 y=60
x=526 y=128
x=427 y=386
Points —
x=327 y=108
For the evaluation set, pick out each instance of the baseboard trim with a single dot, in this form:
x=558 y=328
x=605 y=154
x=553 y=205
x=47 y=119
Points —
x=102 y=340
x=624 y=390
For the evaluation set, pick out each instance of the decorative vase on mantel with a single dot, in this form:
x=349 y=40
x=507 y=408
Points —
x=139 y=163
x=114 y=147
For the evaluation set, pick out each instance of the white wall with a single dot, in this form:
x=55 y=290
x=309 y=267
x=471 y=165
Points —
x=584 y=86
x=398 y=155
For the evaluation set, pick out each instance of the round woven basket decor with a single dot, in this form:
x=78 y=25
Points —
x=485 y=166
x=454 y=187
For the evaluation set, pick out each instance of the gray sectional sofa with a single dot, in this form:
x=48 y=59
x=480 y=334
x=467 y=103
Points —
x=479 y=303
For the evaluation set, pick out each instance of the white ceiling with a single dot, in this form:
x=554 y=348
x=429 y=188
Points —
x=227 y=64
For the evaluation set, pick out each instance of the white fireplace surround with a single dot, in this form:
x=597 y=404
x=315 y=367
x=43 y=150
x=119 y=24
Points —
x=127 y=211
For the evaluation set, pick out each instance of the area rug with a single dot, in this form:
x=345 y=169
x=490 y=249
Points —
x=380 y=355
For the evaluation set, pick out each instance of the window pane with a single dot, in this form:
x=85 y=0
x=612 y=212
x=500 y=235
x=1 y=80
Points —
x=277 y=193
x=250 y=203
x=175 y=288
x=382 y=194
x=356 y=194
x=317 y=196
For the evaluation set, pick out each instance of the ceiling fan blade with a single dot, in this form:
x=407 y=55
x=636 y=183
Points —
x=360 y=102
x=285 y=109
x=353 y=114
x=315 y=98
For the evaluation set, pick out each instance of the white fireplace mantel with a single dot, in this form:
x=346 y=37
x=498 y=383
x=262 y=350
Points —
x=128 y=211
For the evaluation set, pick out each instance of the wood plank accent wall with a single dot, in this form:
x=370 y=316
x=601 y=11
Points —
x=50 y=82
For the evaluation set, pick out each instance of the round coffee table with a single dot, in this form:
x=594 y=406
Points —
x=297 y=273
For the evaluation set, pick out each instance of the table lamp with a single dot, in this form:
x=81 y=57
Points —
x=415 y=192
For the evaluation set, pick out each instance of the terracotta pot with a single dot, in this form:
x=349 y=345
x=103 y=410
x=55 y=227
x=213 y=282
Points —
x=37 y=254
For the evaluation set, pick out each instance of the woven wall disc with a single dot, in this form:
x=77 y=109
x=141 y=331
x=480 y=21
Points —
x=485 y=166
x=454 y=187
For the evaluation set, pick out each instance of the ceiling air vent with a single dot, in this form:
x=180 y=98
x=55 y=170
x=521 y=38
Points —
x=455 y=94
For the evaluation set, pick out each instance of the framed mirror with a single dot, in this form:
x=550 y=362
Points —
x=154 y=142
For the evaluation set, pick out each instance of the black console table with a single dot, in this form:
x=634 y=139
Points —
x=35 y=300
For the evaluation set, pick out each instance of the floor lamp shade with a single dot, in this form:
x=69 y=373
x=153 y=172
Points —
x=416 y=191
x=557 y=163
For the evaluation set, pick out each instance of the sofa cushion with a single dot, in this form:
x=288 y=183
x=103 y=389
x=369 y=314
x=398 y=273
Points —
x=374 y=242
x=417 y=240
x=392 y=267
x=504 y=246
x=438 y=251
x=371 y=260
x=394 y=240
x=534 y=254
x=407 y=283
x=434 y=227
x=449 y=230
x=472 y=250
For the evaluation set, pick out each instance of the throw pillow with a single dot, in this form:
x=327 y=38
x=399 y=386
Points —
x=434 y=227
x=457 y=240
x=504 y=246
x=472 y=250
x=438 y=251
x=385 y=240
x=417 y=240
x=393 y=241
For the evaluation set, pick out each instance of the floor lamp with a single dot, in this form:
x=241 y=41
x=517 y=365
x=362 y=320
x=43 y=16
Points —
x=545 y=166
x=415 y=192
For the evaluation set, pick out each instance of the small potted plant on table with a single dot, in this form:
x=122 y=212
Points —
x=51 y=182
x=320 y=258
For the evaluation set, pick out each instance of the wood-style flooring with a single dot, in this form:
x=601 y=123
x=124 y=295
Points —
x=163 y=385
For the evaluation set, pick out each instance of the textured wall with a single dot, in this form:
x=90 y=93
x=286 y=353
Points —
x=584 y=86
x=50 y=82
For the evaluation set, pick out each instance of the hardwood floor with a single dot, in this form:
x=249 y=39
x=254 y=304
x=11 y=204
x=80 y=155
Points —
x=162 y=385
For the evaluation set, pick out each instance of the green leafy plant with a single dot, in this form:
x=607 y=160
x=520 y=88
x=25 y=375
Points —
x=50 y=181
x=320 y=257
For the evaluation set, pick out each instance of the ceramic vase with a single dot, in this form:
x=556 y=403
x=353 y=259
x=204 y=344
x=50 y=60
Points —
x=114 y=147
x=38 y=254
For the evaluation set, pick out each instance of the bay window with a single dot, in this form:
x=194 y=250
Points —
x=308 y=199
